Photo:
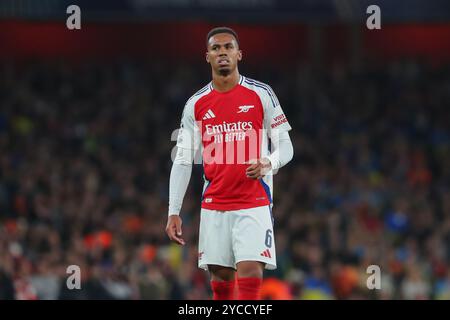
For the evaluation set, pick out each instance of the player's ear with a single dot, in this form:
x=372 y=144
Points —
x=207 y=56
x=239 y=55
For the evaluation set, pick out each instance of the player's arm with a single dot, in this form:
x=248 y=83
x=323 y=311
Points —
x=180 y=174
x=277 y=126
x=282 y=153
x=178 y=183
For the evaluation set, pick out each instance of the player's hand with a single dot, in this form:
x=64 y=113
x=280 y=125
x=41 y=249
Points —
x=173 y=229
x=258 y=168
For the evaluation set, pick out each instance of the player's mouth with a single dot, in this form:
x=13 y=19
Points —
x=223 y=62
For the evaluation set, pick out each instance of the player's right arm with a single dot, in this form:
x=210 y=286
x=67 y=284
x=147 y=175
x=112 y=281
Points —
x=187 y=143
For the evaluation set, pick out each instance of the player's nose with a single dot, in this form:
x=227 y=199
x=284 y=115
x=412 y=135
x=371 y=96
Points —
x=222 y=51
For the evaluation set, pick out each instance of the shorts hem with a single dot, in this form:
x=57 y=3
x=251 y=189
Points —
x=204 y=265
x=270 y=264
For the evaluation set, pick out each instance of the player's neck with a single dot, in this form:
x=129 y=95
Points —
x=225 y=83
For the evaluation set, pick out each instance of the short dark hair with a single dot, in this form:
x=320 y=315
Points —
x=221 y=30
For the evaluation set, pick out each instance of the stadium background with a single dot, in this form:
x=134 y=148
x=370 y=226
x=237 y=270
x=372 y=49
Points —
x=86 y=119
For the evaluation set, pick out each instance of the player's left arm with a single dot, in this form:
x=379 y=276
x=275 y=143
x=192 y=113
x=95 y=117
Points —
x=277 y=126
x=282 y=153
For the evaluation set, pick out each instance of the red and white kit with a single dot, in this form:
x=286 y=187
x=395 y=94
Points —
x=230 y=129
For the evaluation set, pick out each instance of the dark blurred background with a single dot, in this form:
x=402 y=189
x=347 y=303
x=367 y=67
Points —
x=87 y=117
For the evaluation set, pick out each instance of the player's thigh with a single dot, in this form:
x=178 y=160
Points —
x=250 y=269
x=221 y=273
x=215 y=246
x=253 y=236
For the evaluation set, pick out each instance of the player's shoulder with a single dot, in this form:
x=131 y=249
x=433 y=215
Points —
x=199 y=94
x=264 y=90
x=249 y=82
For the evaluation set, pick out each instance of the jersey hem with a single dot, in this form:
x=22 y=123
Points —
x=231 y=207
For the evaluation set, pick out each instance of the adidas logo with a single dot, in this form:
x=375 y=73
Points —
x=209 y=115
x=266 y=253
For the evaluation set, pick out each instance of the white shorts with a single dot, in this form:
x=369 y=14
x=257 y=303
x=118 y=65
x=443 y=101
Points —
x=228 y=237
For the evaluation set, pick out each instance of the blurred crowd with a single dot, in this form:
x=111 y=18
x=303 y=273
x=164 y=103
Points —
x=85 y=156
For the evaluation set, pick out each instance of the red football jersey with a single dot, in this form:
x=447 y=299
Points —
x=231 y=128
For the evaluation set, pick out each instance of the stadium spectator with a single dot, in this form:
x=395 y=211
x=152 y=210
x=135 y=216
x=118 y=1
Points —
x=84 y=172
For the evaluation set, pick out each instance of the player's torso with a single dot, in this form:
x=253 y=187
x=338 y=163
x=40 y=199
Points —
x=226 y=117
x=231 y=125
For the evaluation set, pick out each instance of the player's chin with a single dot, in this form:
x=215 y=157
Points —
x=224 y=70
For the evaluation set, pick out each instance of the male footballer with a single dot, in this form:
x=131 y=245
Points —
x=239 y=127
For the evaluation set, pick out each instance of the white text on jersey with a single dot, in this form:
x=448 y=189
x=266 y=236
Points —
x=228 y=127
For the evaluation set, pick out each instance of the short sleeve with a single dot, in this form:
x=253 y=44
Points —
x=189 y=136
x=274 y=117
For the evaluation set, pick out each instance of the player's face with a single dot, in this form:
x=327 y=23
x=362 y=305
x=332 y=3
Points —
x=223 y=53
